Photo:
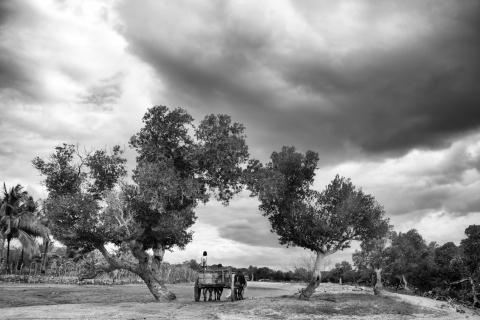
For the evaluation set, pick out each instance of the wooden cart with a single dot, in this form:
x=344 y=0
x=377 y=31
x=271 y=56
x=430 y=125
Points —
x=214 y=278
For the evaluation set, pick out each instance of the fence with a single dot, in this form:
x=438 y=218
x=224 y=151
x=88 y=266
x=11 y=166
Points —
x=69 y=275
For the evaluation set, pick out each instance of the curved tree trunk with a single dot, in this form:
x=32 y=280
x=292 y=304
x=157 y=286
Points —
x=2 y=260
x=405 y=282
x=148 y=272
x=158 y=253
x=44 y=260
x=146 y=269
x=378 y=285
x=20 y=261
x=316 y=278
x=476 y=303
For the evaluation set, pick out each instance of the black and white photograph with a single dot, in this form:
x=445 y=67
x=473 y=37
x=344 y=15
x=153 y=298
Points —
x=240 y=159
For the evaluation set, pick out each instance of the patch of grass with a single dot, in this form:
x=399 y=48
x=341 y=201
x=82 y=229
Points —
x=355 y=304
x=348 y=304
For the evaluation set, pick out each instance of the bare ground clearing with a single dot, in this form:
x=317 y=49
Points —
x=264 y=301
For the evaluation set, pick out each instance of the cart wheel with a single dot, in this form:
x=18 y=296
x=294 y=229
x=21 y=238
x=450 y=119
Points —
x=196 y=293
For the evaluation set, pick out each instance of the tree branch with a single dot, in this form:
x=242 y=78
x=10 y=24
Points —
x=115 y=263
x=459 y=281
x=338 y=246
x=99 y=269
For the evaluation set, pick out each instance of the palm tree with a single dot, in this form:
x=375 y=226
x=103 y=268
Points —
x=18 y=220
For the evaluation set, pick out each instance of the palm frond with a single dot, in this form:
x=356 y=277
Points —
x=3 y=223
x=31 y=225
x=31 y=205
x=3 y=209
x=28 y=204
x=28 y=242
x=7 y=227
x=13 y=199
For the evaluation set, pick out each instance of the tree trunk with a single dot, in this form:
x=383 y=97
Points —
x=377 y=290
x=2 y=245
x=8 y=255
x=405 y=282
x=474 y=293
x=44 y=260
x=20 y=262
x=315 y=279
x=158 y=253
x=146 y=269
x=148 y=273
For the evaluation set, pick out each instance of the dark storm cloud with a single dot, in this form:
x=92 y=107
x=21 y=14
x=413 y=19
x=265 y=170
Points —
x=16 y=74
x=420 y=183
x=446 y=187
x=7 y=9
x=379 y=92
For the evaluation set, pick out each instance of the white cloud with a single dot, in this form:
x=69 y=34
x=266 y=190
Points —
x=68 y=53
x=432 y=191
x=317 y=75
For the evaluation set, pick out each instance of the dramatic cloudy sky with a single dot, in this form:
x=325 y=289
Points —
x=388 y=93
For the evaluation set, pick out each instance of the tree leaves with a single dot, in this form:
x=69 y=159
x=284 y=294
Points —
x=300 y=216
x=105 y=170
x=177 y=164
x=471 y=249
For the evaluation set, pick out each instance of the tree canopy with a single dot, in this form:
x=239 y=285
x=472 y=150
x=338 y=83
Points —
x=323 y=222
x=90 y=205
x=406 y=253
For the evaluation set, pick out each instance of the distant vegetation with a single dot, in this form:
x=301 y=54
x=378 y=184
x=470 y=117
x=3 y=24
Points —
x=179 y=165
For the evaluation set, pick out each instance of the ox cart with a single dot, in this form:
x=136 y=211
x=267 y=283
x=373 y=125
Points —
x=213 y=279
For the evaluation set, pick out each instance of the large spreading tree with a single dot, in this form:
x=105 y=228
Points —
x=89 y=206
x=323 y=222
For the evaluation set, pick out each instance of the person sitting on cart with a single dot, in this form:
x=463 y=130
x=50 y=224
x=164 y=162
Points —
x=240 y=285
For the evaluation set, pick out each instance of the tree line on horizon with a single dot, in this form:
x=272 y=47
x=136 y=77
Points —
x=180 y=165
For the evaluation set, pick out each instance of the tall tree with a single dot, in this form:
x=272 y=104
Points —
x=174 y=173
x=468 y=261
x=323 y=222
x=18 y=220
x=405 y=254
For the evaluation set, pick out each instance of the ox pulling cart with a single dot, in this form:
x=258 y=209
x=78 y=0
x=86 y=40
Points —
x=213 y=279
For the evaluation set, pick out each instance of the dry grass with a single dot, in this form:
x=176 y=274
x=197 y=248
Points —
x=135 y=302
x=333 y=304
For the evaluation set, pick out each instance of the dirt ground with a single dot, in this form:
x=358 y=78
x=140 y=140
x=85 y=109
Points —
x=263 y=301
